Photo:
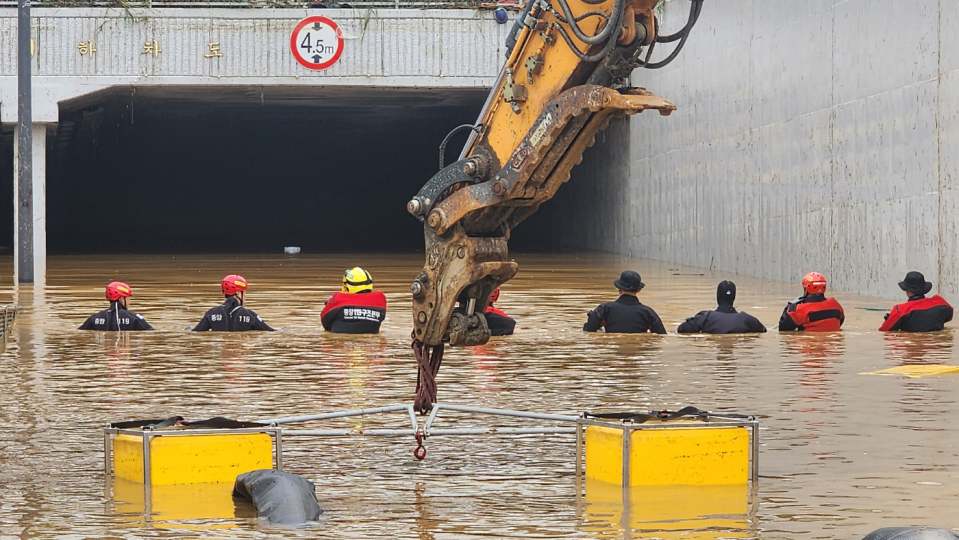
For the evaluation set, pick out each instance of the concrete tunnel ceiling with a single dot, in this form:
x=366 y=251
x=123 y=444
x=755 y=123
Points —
x=247 y=169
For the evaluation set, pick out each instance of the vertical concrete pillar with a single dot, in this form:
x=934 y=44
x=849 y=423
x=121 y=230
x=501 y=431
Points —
x=37 y=199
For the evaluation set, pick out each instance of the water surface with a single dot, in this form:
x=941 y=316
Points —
x=841 y=453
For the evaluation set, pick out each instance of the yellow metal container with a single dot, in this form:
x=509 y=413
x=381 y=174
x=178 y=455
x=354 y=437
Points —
x=192 y=459
x=177 y=506
x=696 y=456
x=668 y=512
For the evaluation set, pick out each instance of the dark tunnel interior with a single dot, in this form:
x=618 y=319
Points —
x=243 y=170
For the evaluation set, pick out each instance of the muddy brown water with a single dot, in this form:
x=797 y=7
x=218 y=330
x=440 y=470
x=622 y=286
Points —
x=841 y=453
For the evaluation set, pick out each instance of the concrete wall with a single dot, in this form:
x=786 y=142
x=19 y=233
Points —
x=815 y=135
x=80 y=52
x=591 y=210
x=383 y=48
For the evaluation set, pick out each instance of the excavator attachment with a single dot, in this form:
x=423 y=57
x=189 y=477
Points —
x=566 y=78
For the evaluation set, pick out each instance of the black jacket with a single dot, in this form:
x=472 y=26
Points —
x=499 y=323
x=624 y=316
x=231 y=317
x=723 y=320
x=115 y=318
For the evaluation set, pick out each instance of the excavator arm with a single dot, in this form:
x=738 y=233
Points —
x=566 y=77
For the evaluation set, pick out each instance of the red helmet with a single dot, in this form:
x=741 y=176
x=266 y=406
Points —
x=118 y=290
x=233 y=284
x=814 y=283
x=495 y=296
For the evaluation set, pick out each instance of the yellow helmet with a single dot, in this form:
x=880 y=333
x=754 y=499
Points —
x=357 y=280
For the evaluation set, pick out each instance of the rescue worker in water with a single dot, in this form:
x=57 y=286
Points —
x=116 y=317
x=499 y=323
x=625 y=315
x=812 y=311
x=358 y=309
x=919 y=314
x=231 y=316
x=724 y=319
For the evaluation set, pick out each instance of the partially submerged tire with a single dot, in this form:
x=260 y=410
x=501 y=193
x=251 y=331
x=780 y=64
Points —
x=279 y=497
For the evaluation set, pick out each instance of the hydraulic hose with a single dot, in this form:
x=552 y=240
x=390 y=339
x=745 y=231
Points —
x=446 y=140
x=583 y=56
x=694 y=11
x=517 y=26
x=611 y=27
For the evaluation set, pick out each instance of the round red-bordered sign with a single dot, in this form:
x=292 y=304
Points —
x=316 y=42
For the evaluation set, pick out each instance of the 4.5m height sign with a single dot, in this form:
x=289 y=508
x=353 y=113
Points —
x=316 y=42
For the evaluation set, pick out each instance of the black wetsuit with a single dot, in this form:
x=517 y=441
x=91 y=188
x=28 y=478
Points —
x=624 y=316
x=231 y=317
x=115 y=318
x=499 y=323
x=723 y=320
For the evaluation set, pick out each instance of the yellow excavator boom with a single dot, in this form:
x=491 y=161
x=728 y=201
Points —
x=566 y=77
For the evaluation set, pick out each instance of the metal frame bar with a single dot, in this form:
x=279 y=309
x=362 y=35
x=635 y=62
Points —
x=627 y=435
x=581 y=424
x=495 y=412
x=344 y=414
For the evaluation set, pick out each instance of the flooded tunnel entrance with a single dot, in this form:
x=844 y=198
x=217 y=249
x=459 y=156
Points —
x=240 y=169
x=247 y=169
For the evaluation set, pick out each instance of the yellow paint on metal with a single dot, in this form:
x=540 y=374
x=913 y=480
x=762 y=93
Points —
x=171 y=504
x=916 y=371
x=560 y=62
x=680 y=512
x=192 y=459
x=661 y=457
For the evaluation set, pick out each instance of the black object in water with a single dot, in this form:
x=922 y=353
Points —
x=280 y=497
x=910 y=533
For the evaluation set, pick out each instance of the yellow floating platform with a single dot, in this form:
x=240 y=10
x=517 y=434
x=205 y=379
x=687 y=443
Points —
x=916 y=370
x=191 y=459
x=675 y=455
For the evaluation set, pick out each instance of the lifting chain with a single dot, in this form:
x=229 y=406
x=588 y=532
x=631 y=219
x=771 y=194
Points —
x=428 y=364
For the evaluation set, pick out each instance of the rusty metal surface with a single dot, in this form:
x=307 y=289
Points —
x=559 y=120
x=551 y=99
x=468 y=229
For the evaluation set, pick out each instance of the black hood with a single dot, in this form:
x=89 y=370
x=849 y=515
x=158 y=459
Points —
x=726 y=293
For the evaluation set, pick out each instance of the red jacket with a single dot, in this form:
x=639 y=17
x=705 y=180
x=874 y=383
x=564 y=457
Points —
x=919 y=314
x=354 y=313
x=813 y=313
